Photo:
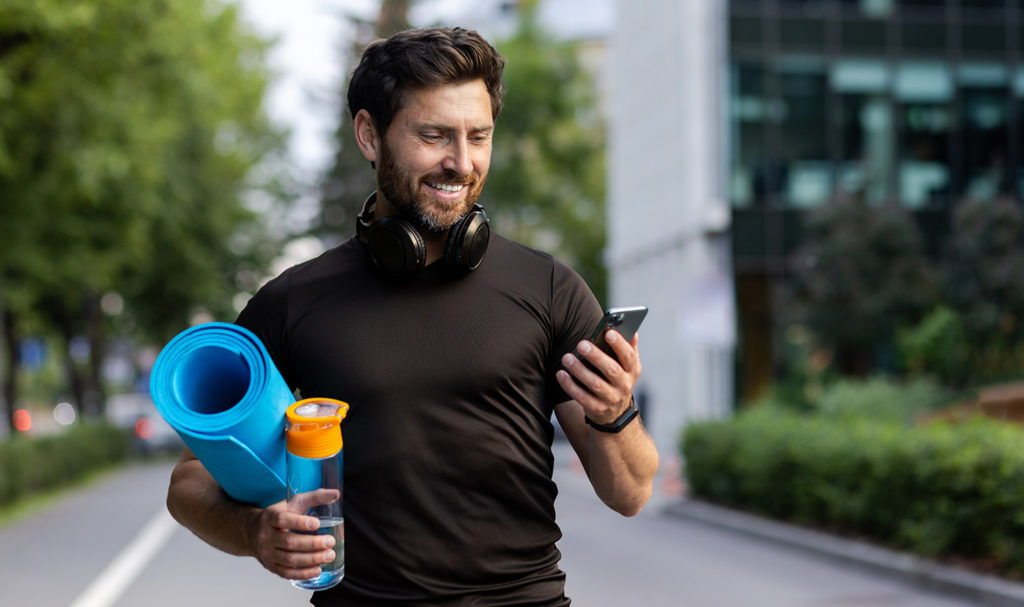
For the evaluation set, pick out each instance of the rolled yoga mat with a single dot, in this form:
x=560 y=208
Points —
x=216 y=385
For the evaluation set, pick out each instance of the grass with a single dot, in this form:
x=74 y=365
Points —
x=33 y=504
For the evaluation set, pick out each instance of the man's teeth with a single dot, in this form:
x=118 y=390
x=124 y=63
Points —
x=444 y=187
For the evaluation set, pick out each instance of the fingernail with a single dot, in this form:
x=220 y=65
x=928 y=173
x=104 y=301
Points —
x=611 y=336
x=584 y=347
x=312 y=524
x=568 y=360
x=330 y=555
x=328 y=541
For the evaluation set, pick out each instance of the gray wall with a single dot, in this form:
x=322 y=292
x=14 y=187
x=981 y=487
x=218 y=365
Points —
x=668 y=216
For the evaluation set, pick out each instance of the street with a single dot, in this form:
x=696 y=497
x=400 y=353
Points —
x=111 y=544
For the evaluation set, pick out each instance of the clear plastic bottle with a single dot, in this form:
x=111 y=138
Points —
x=315 y=461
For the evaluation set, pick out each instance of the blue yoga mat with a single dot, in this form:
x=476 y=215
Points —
x=216 y=385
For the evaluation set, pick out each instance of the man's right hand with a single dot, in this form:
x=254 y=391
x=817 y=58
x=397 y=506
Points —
x=285 y=541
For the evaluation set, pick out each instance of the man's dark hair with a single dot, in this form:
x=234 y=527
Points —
x=418 y=59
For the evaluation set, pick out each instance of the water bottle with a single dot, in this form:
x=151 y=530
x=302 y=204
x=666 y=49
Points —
x=314 y=461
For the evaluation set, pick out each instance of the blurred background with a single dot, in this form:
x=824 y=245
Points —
x=159 y=161
x=819 y=200
x=799 y=190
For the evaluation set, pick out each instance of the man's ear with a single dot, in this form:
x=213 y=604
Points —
x=366 y=135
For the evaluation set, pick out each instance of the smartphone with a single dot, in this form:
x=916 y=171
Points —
x=624 y=320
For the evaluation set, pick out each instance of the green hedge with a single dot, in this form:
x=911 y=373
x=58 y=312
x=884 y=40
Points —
x=29 y=465
x=939 y=489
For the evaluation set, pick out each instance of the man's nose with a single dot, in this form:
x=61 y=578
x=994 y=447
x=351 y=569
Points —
x=458 y=158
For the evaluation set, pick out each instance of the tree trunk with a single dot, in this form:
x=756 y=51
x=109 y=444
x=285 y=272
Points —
x=95 y=391
x=10 y=376
x=74 y=377
x=394 y=17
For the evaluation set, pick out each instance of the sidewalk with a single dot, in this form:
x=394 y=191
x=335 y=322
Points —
x=985 y=588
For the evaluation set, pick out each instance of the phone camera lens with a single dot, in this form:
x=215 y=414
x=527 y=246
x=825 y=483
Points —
x=616 y=320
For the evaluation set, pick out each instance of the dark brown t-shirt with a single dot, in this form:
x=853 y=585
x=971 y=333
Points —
x=451 y=384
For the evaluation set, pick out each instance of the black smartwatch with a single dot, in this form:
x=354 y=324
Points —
x=616 y=426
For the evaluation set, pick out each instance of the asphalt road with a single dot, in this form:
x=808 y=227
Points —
x=111 y=544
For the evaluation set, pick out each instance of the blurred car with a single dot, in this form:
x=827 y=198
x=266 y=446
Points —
x=151 y=434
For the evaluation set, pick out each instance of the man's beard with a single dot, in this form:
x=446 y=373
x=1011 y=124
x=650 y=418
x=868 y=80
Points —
x=418 y=208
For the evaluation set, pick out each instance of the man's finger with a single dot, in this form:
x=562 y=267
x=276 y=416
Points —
x=302 y=502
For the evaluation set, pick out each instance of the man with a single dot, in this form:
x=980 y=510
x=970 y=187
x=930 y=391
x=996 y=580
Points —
x=453 y=350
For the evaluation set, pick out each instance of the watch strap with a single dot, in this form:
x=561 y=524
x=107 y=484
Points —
x=616 y=426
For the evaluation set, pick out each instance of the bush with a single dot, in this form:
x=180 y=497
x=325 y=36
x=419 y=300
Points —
x=938 y=489
x=880 y=399
x=30 y=465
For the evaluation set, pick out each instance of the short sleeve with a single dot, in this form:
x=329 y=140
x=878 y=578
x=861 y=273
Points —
x=575 y=313
x=266 y=315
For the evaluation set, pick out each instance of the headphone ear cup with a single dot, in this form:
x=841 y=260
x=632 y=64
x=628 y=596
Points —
x=467 y=242
x=396 y=248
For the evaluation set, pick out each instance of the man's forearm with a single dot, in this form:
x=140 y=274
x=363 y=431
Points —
x=198 y=503
x=622 y=466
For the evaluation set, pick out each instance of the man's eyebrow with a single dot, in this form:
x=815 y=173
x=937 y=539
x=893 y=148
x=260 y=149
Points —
x=432 y=126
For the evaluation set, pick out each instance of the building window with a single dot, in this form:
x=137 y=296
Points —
x=810 y=8
x=924 y=93
x=864 y=35
x=1018 y=86
x=989 y=6
x=983 y=91
x=878 y=9
x=748 y=111
x=747 y=5
x=867 y=147
x=926 y=35
x=806 y=171
x=802 y=34
x=910 y=7
x=983 y=36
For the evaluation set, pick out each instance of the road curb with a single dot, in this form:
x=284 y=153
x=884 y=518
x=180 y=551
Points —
x=989 y=589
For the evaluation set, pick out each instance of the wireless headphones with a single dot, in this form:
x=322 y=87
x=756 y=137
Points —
x=398 y=250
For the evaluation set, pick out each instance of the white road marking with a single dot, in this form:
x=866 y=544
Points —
x=108 y=587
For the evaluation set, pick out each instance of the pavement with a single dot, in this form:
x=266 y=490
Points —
x=986 y=589
x=671 y=497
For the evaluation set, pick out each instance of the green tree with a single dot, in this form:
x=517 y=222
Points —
x=985 y=283
x=128 y=133
x=350 y=179
x=546 y=187
x=860 y=275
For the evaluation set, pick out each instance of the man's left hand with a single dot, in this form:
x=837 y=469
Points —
x=607 y=393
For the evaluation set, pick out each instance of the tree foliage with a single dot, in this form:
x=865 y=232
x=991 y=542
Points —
x=860 y=274
x=985 y=271
x=129 y=134
x=977 y=334
x=861 y=284
x=350 y=179
x=547 y=182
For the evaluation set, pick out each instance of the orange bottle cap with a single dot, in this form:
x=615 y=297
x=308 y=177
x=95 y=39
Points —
x=314 y=427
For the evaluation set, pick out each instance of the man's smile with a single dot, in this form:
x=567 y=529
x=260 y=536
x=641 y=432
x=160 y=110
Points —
x=449 y=188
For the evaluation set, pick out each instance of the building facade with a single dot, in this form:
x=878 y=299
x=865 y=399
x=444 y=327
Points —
x=731 y=119
x=913 y=102
x=668 y=212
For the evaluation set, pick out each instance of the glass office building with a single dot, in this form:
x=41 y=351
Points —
x=917 y=102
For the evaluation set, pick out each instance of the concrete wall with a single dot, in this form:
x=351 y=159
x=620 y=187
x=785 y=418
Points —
x=668 y=216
